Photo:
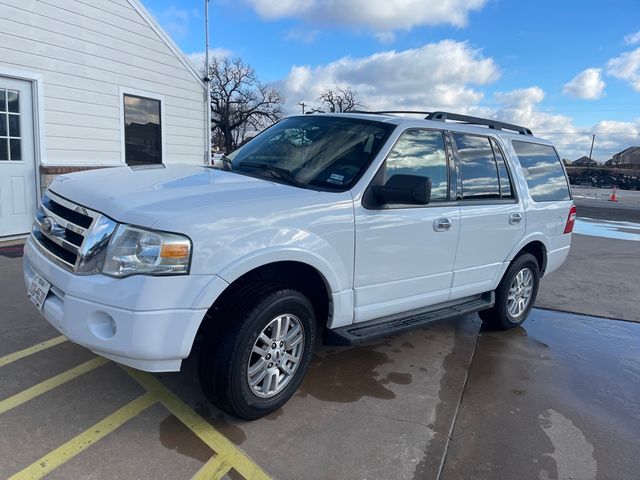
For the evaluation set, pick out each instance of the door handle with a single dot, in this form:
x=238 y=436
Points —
x=441 y=224
x=515 y=219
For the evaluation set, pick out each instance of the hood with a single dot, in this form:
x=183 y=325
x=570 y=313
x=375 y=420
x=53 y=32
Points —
x=144 y=195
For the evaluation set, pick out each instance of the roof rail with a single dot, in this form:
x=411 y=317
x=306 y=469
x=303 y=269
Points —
x=387 y=112
x=494 y=124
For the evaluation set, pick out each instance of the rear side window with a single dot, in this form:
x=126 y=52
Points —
x=482 y=168
x=505 y=181
x=543 y=172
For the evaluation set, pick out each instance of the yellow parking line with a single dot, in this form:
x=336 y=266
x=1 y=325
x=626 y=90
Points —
x=12 y=357
x=76 y=445
x=224 y=449
x=214 y=469
x=50 y=384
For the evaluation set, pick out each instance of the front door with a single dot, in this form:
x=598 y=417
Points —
x=405 y=253
x=17 y=165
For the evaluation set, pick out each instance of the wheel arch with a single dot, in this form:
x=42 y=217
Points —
x=534 y=245
x=538 y=250
x=297 y=275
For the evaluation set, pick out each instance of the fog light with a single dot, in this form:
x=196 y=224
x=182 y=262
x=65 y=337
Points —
x=102 y=325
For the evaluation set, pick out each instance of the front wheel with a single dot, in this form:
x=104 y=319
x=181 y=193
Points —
x=254 y=362
x=515 y=294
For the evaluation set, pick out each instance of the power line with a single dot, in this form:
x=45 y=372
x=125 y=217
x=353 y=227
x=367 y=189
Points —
x=587 y=133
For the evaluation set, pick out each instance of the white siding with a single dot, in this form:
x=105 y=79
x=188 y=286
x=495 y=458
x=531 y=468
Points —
x=87 y=52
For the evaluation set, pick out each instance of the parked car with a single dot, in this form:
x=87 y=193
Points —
x=349 y=226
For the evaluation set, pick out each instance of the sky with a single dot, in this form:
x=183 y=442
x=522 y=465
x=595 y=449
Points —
x=564 y=68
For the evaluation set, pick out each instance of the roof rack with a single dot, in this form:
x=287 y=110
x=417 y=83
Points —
x=456 y=117
x=494 y=124
x=387 y=112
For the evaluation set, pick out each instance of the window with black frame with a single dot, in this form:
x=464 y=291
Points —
x=422 y=153
x=142 y=130
x=543 y=172
x=482 y=168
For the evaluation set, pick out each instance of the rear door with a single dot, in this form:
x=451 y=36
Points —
x=491 y=216
x=405 y=253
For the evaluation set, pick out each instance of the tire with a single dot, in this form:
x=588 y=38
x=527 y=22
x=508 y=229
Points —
x=228 y=352
x=504 y=315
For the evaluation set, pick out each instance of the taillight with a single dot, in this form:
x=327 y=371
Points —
x=571 y=220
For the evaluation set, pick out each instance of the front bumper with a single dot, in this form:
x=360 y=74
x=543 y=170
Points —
x=145 y=322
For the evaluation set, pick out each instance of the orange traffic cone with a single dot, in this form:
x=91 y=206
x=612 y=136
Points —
x=613 y=197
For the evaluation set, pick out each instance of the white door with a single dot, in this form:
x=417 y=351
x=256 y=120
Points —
x=17 y=165
x=405 y=253
x=492 y=219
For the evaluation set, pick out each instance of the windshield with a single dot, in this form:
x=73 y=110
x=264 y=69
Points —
x=329 y=153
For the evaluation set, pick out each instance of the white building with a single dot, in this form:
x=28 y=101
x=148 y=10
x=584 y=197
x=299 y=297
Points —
x=89 y=84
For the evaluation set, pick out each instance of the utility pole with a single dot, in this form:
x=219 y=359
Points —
x=593 y=140
x=207 y=82
x=303 y=105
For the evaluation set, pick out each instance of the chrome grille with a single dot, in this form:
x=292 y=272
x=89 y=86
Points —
x=64 y=232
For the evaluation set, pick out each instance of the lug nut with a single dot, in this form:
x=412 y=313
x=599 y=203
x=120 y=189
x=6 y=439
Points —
x=270 y=365
x=282 y=344
x=274 y=346
x=268 y=356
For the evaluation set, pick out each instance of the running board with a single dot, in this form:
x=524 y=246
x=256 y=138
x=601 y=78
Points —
x=382 y=327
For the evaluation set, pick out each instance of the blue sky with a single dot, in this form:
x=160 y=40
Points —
x=561 y=67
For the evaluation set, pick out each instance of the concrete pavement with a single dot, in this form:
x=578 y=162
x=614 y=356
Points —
x=554 y=399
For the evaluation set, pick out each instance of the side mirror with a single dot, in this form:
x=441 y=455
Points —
x=404 y=190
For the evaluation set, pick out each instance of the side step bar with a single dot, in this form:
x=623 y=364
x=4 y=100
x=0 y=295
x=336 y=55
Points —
x=365 y=331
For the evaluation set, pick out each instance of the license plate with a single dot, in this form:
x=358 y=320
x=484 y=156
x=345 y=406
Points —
x=38 y=291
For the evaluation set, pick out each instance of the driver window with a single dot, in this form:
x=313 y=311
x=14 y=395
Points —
x=421 y=152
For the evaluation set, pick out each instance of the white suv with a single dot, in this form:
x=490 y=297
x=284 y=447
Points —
x=356 y=225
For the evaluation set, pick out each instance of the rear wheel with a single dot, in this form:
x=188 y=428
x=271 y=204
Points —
x=515 y=294
x=253 y=361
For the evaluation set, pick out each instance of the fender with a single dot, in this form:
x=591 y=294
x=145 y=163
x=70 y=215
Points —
x=272 y=245
x=531 y=237
x=276 y=244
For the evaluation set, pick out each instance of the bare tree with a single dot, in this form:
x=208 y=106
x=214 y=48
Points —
x=240 y=103
x=339 y=100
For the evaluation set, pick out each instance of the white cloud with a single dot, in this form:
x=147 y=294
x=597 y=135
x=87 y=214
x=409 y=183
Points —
x=588 y=85
x=452 y=76
x=197 y=58
x=177 y=21
x=386 y=37
x=626 y=66
x=436 y=76
x=522 y=107
x=380 y=15
x=632 y=38
x=306 y=36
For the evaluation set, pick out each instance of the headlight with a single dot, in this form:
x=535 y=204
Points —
x=136 y=251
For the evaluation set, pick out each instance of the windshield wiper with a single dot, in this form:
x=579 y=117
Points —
x=277 y=172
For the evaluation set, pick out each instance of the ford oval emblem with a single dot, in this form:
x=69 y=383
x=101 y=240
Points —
x=48 y=225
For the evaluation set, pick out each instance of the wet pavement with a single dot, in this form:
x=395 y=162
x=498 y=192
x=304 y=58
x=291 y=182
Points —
x=608 y=229
x=557 y=398
x=377 y=411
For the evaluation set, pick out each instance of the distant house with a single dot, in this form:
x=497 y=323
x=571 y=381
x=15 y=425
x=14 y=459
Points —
x=629 y=157
x=85 y=85
x=609 y=163
x=585 y=161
